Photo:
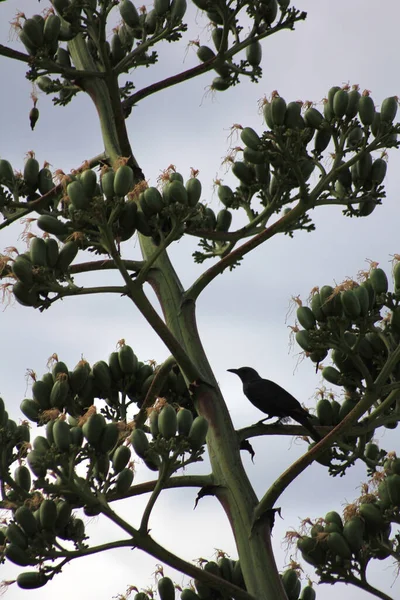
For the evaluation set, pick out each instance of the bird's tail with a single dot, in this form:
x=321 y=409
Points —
x=305 y=420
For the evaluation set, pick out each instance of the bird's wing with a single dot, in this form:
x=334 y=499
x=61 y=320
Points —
x=280 y=396
x=266 y=396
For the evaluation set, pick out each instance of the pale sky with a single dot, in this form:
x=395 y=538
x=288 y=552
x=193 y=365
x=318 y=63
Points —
x=242 y=315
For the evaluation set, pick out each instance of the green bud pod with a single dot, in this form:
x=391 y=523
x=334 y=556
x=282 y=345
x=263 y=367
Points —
x=371 y=451
x=59 y=393
x=304 y=340
x=37 y=252
x=31 y=580
x=184 y=421
x=107 y=183
x=268 y=11
x=127 y=360
x=193 y=188
x=93 y=428
x=352 y=105
x=322 y=139
x=366 y=110
x=334 y=517
x=117 y=49
x=124 y=481
x=254 y=54
x=61 y=434
x=25 y=519
x=340 y=103
x=325 y=411
x=77 y=195
x=45 y=181
x=44 y=84
x=177 y=192
x=16 y=536
x=225 y=194
x=389 y=109
x=220 y=84
x=52 y=225
x=22 y=477
x=355 y=137
x=31 y=173
x=332 y=375
x=204 y=53
x=243 y=172
x=33 y=30
x=31 y=409
x=224 y=220
x=102 y=377
x=350 y=304
x=379 y=281
x=129 y=13
x=267 y=112
x=217 y=35
x=167 y=421
x=22 y=269
x=378 y=171
x=139 y=442
x=7 y=177
x=166 y=589
x=121 y=458
x=372 y=517
x=109 y=438
x=67 y=255
x=123 y=180
x=306 y=317
x=198 y=432
x=88 y=180
x=293 y=118
x=178 y=10
x=332 y=93
x=250 y=138
x=313 y=118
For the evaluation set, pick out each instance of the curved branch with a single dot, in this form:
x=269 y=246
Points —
x=208 y=65
x=104 y=265
x=228 y=261
x=260 y=429
x=80 y=291
x=72 y=554
x=136 y=294
x=48 y=65
x=15 y=54
x=158 y=488
x=144 y=542
x=364 y=585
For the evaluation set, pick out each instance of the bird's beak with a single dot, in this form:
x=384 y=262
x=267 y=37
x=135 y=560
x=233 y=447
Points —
x=233 y=371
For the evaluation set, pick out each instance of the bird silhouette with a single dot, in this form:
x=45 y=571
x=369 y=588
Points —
x=273 y=400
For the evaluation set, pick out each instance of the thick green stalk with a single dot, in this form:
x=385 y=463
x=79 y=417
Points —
x=234 y=490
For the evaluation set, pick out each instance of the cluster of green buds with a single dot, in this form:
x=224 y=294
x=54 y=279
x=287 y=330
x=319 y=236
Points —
x=340 y=548
x=173 y=433
x=122 y=381
x=356 y=325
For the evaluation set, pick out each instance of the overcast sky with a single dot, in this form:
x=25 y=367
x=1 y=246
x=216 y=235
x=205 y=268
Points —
x=242 y=315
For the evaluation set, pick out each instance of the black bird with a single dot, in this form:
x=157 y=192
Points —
x=273 y=400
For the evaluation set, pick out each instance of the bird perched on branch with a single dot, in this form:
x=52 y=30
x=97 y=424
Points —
x=273 y=400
